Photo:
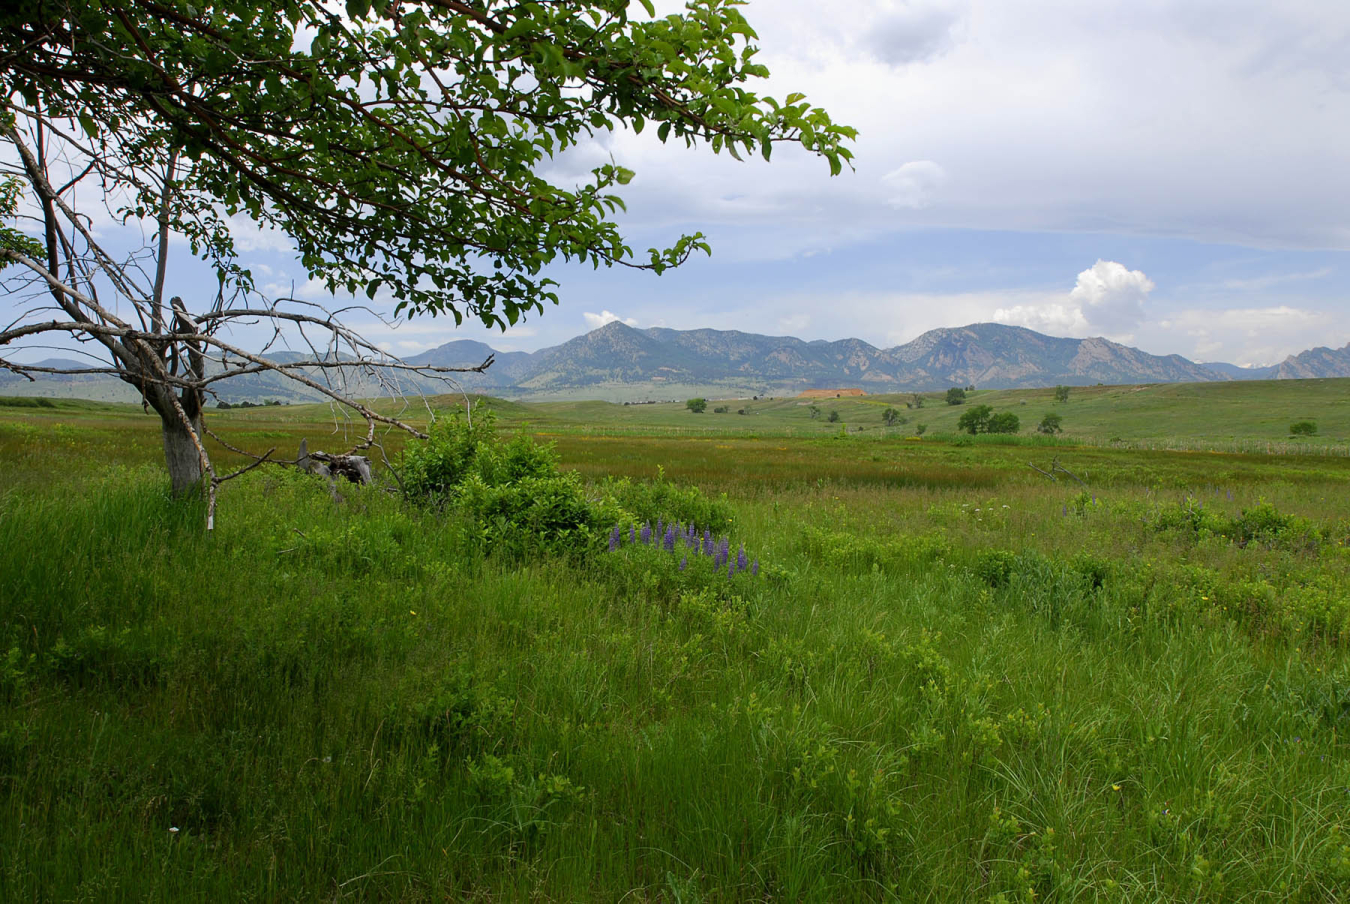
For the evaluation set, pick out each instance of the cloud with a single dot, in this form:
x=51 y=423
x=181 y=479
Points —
x=912 y=32
x=1110 y=297
x=250 y=237
x=595 y=321
x=1053 y=319
x=1261 y=283
x=914 y=184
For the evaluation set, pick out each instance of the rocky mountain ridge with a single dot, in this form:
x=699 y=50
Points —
x=617 y=362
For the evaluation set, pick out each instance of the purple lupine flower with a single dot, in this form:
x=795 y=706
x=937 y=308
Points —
x=731 y=570
x=740 y=558
x=670 y=539
x=709 y=547
x=684 y=563
x=632 y=533
x=754 y=568
x=660 y=528
x=646 y=533
x=614 y=539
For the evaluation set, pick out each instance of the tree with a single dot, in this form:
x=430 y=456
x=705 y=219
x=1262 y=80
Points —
x=698 y=406
x=890 y=417
x=833 y=417
x=1061 y=393
x=815 y=412
x=1003 y=422
x=917 y=401
x=400 y=146
x=975 y=419
x=1050 y=424
x=956 y=396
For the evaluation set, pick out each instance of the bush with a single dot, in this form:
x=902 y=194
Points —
x=511 y=491
x=698 y=406
x=956 y=396
x=890 y=417
x=1303 y=428
x=1061 y=393
x=1003 y=422
x=975 y=420
x=659 y=499
x=1050 y=424
x=834 y=416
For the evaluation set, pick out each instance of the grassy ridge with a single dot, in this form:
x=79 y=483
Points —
x=953 y=680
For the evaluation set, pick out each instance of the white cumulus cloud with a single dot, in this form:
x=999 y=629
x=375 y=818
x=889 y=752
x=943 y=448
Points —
x=1053 y=319
x=1111 y=297
x=914 y=184
x=595 y=321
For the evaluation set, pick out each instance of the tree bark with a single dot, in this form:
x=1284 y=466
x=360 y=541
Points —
x=180 y=452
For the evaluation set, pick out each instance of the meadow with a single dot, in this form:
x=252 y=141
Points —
x=949 y=678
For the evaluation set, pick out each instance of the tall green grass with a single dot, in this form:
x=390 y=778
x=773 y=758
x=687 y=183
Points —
x=952 y=680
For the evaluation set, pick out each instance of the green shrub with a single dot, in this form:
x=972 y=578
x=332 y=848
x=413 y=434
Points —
x=698 y=406
x=995 y=566
x=975 y=420
x=511 y=491
x=1050 y=424
x=956 y=396
x=1303 y=428
x=659 y=499
x=1004 y=422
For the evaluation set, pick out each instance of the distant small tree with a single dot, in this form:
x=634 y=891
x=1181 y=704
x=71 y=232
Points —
x=976 y=419
x=956 y=396
x=919 y=429
x=1004 y=422
x=815 y=412
x=917 y=401
x=890 y=417
x=1061 y=393
x=1303 y=428
x=721 y=409
x=834 y=416
x=1050 y=424
x=698 y=406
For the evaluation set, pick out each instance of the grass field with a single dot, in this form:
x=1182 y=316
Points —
x=952 y=679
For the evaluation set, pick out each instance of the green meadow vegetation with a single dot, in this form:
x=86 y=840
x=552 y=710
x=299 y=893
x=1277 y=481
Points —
x=949 y=678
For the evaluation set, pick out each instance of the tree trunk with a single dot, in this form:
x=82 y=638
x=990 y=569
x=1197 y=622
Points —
x=180 y=452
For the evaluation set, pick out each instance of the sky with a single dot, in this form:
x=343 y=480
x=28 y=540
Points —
x=1170 y=174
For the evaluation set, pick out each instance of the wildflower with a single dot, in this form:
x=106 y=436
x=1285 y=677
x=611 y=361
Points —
x=660 y=528
x=632 y=534
x=740 y=558
x=684 y=563
x=754 y=568
x=731 y=570
x=614 y=539
x=709 y=548
x=670 y=539
x=646 y=533
x=726 y=549
x=173 y=830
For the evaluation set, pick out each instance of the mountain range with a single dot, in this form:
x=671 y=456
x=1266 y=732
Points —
x=619 y=362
